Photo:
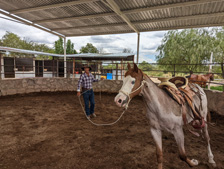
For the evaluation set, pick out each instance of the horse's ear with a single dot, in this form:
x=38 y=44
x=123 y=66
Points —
x=135 y=68
x=129 y=66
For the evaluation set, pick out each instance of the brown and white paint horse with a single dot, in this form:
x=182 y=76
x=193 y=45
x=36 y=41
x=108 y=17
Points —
x=162 y=111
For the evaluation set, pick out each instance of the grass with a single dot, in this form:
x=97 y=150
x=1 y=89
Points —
x=219 y=88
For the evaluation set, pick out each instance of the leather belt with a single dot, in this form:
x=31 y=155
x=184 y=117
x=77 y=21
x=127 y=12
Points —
x=85 y=89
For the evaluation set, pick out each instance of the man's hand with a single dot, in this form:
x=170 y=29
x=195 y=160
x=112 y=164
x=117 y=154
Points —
x=78 y=94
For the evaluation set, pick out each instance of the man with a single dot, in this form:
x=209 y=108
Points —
x=86 y=79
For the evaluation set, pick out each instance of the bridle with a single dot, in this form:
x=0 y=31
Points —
x=128 y=94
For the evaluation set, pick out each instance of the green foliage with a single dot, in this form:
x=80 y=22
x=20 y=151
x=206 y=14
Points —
x=190 y=46
x=89 y=48
x=109 y=66
x=58 y=46
x=14 y=41
x=145 y=66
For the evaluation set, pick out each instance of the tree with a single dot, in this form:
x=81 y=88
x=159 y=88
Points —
x=89 y=48
x=70 y=48
x=127 y=50
x=145 y=66
x=190 y=46
x=58 y=46
x=14 y=41
x=11 y=40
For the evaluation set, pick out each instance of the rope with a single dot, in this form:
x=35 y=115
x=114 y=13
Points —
x=99 y=124
x=126 y=107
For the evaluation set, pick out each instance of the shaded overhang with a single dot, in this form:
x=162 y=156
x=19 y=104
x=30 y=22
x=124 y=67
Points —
x=68 y=18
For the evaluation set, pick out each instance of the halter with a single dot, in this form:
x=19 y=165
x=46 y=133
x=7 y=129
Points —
x=128 y=94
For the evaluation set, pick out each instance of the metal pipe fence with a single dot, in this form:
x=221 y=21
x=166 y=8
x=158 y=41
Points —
x=55 y=68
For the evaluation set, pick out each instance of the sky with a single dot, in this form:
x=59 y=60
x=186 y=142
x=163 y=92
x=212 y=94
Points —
x=149 y=41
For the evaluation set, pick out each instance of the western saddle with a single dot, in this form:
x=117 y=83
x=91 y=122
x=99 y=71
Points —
x=182 y=92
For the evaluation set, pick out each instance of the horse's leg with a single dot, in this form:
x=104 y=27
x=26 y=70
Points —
x=179 y=137
x=210 y=155
x=157 y=136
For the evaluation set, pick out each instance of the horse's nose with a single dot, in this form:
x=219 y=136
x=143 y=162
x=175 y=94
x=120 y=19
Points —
x=119 y=101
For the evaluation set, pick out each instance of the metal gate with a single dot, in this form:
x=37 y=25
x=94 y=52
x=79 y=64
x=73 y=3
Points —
x=9 y=67
x=38 y=68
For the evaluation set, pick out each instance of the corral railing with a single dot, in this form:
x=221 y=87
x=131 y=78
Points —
x=30 y=67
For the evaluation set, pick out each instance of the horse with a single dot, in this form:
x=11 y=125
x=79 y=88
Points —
x=162 y=112
x=201 y=79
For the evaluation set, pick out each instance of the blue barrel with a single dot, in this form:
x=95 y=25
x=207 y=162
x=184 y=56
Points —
x=109 y=76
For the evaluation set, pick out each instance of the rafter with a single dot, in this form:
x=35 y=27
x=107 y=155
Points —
x=149 y=30
x=179 y=18
x=112 y=4
x=51 y=6
x=180 y=4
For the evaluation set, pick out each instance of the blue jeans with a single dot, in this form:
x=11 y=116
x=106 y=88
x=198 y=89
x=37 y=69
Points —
x=89 y=97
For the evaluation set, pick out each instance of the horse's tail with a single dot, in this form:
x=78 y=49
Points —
x=209 y=117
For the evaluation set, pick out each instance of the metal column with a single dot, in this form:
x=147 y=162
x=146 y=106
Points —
x=0 y=66
x=138 y=47
x=65 y=68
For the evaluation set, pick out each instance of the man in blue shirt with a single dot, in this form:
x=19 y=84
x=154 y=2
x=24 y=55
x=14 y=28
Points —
x=86 y=79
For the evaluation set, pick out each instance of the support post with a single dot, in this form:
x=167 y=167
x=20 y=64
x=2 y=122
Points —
x=0 y=66
x=34 y=68
x=121 y=69
x=53 y=68
x=174 y=70
x=116 y=71
x=65 y=68
x=210 y=67
x=73 y=72
x=57 y=69
x=138 y=47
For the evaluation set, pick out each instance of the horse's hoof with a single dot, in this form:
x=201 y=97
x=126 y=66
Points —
x=213 y=165
x=194 y=162
x=212 y=162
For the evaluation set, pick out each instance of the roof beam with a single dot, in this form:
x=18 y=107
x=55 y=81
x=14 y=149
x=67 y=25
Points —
x=148 y=30
x=75 y=17
x=181 y=4
x=51 y=6
x=31 y=24
x=112 y=4
x=183 y=27
x=143 y=21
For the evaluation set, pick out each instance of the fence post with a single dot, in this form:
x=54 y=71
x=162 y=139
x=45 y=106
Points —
x=0 y=66
x=174 y=70
x=94 y=69
x=53 y=67
x=116 y=71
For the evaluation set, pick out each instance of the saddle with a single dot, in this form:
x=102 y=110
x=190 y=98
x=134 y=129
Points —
x=182 y=92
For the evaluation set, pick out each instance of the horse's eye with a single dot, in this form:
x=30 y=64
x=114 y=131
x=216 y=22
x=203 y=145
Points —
x=133 y=82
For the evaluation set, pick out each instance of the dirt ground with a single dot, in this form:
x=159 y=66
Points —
x=50 y=131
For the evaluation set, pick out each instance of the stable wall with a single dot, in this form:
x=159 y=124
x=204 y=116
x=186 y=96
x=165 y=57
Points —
x=29 y=85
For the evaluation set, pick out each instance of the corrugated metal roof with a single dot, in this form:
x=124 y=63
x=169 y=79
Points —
x=83 y=56
x=94 y=17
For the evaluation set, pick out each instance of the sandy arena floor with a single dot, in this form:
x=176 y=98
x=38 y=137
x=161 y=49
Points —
x=50 y=131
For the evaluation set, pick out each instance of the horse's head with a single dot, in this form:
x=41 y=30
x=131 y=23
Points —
x=131 y=86
x=211 y=77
